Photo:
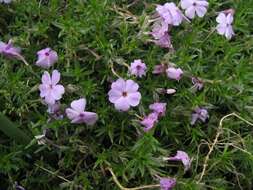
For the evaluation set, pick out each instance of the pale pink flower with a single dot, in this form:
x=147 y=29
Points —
x=192 y=7
x=8 y=50
x=46 y=58
x=138 y=68
x=199 y=114
x=224 y=26
x=158 y=108
x=159 y=29
x=55 y=110
x=167 y=183
x=77 y=113
x=124 y=94
x=149 y=121
x=50 y=90
x=170 y=13
x=174 y=73
x=183 y=157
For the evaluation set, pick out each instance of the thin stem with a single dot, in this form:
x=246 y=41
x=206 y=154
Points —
x=133 y=188
x=114 y=72
x=219 y=131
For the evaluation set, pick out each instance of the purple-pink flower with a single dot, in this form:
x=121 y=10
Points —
x=167 y=183
x=158 y=108
x=192 y=7
x=174 y=73
x=164 y=41
x=199 y=114
x=224 y=27
x=138 y=68
x=55 y=110
x=77 y=113
x=124 y=94
x=149 y=121
x=46 y=58
x=170 y=13
x=183 y=157
x=50 y=90
x=8 y=50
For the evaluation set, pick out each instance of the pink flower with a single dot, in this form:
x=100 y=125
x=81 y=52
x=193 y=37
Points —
x=124 y=94
x=50 y=89
x=149 y=121
x=224 y=26
x=158 y=108
x=174 y=73
x=183 y=157
x=193 y=7
x=55 y=110
x=9 y=50
x=138 y=68
x=167 y=183
x=159 y=69
x=160 y=28
x=77 y=114
x=170 y=13
x=199 y=114
x=46 y=58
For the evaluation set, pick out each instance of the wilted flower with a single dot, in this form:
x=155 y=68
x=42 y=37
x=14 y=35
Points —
x=9 y=50
x=46 y=58
x=159 y=69
x=124 y=94
x=164 y=41
x=199 y=114
x=149 y=121
x=55 y=111
x=158 y=108
x=193 y=7
x=183 y=157
x=41 y=139
x=167 y=183
x=174 y=73
x=77 y=114
x=198 y=84
x=50 y=89
x=170 y=13
x=138 y=68
x=224 y=26
x=16 y=185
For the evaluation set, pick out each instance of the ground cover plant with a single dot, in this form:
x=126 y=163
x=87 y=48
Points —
x=107 y=94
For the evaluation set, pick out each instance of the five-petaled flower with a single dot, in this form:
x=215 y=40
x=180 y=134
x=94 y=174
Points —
x=224 y=27
x=124 y=94
x=192 y=7
x=50 y=90
x=138 y=68
x=170 y=13
x=167 y=183
x=46 y=58
x=174 y=73
x=77 y=114
x=183 y=157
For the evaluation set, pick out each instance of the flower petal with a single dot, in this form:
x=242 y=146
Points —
x=131 y=86
x=134 y=98
x=122 y=104
x=55 y=77
x=90 y=118
x=46 y=79
x=79 y=105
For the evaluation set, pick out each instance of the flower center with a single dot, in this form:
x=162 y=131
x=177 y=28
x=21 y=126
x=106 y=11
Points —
x=82 y=115
x=138 y=67
x=124 y=94
x=194 y=4
x=47 y=54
